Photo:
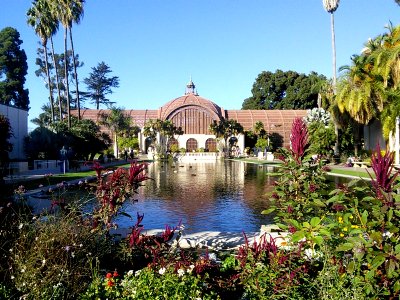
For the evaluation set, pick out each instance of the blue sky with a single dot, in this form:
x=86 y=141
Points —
x=154 y=46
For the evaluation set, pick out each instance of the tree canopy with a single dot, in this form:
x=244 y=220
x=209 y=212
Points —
x=285 y=90
x=369 y=88
x=13 y=69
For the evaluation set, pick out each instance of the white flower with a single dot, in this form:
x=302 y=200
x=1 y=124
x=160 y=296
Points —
x=212 y=256
x=190 y=269
x=137 y=272
x=181 y=272
x=22 y=270
x=161 y=271
x=130 y=273
x=43 y=262
x=21 y=225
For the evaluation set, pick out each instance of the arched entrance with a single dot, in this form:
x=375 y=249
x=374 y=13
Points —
x=147 y=144
x=191 y=145
x=211 y=145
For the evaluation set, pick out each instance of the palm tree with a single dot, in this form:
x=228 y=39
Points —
x=45 y=26
x=77 y=14
x=117 y=121
x=68 y=11
x=331 y=6
x=259 y=129
x=225 y=129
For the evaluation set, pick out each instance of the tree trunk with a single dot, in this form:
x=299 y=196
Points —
x=57 y=79
x=66 y=78
x=76 y=74
x=336 y=150
x=49 y=81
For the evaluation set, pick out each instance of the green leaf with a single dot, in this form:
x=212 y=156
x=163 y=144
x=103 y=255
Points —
x=306 y=225
x=268 y=211
x=325 y=232
x=378 y=260
x=319 y=203
x=345 y=247
x=318 y=240
x=364 y=217
x=125 y=214
x=396 y=286
x=315 y=221
x=297 y=236
x=351 y=267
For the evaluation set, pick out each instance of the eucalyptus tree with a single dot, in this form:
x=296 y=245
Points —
x=117 y=122
x=45 y=26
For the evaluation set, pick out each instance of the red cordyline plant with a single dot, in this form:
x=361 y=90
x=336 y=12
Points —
x=117 y=187
x=384 y=173
x=298 y=139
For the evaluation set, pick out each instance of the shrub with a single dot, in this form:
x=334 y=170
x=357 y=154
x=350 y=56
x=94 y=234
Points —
x=52 y=256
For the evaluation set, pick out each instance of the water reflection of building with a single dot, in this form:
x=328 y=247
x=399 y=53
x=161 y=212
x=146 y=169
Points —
x=194 y=114
x=222 y=192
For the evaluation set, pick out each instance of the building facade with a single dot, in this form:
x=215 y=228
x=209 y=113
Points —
x=18 y=119
x=194 y=114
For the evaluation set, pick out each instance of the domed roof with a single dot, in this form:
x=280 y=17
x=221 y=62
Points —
x=190 y=99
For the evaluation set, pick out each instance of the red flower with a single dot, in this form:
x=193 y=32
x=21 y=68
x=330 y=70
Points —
x=98 y=168
x=383 y=169
x=109 y=275
x=110 y=283
x=298 y=139
x=115 y=274
x=137 y=173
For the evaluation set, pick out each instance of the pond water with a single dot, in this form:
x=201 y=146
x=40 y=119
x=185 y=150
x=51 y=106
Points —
x=226 y=196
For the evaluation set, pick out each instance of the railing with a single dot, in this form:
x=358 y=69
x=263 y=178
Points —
x=198 y=156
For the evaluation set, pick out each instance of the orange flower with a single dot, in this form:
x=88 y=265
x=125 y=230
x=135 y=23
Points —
x=110 y=283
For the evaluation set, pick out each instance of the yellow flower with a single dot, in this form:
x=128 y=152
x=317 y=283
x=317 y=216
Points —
x=354 y=226
x=340 y=219
x=345 y=229
x=351 y=217
x=342 y=235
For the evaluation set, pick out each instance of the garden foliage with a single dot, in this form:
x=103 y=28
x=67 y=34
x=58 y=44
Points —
x=337 y=242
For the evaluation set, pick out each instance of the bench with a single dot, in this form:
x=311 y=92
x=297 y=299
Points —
x=361 y=164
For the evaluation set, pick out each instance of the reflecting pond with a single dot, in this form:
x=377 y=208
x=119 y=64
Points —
x=226 y=196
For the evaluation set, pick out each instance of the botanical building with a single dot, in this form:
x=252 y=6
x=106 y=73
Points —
x=194 y=114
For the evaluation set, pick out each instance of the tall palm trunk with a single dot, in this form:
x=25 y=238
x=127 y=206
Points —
x=57 y=79
x=66 y=78
x=75 y=73
x=46 y=61
x=336 y=150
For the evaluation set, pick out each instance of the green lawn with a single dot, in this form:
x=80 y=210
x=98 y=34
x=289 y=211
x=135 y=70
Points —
x=352 y=172
x=35 y=183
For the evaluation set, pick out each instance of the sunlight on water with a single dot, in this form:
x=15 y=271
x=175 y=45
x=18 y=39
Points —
x=217 y=196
